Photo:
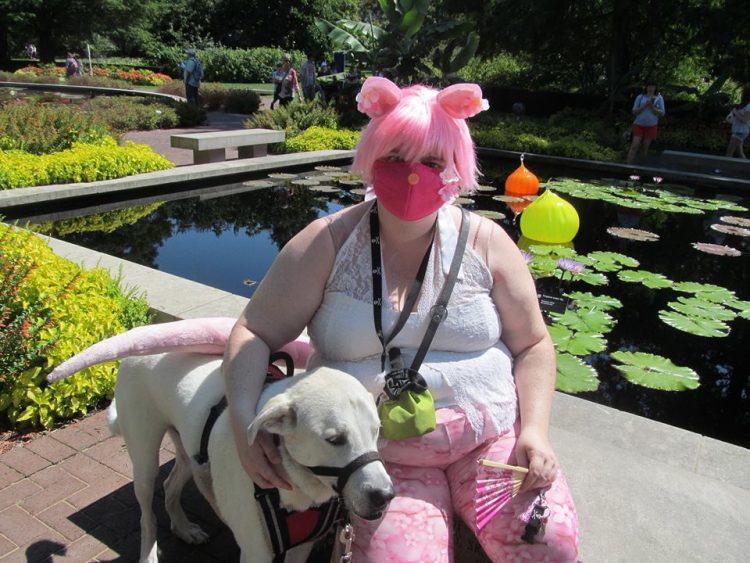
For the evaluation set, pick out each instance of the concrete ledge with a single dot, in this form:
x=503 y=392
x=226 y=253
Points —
x=706 y=162
x=217 y=170
x=645 y=491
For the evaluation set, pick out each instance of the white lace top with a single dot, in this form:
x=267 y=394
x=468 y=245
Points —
x=467 y=364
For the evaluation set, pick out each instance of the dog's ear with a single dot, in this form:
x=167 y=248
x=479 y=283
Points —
x=277 y=417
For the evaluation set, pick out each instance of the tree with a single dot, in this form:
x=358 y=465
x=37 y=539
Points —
x=409 y=38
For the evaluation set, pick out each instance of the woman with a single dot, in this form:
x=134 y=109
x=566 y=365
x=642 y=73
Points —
x=289 y=82
x=740 y=120
x=647 y=108
x=493 y=395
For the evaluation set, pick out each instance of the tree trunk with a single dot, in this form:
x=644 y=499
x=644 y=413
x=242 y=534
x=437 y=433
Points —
x=619 y=46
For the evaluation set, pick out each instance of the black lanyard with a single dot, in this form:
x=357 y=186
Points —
x=438 y=312
x=377 y=283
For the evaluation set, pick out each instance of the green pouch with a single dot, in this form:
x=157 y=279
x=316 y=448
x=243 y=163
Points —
x=409 y=416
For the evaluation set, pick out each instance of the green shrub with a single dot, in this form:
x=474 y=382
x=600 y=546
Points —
x=86 y=306
x=188 y=114
x=321 y=138
x=132 y=114
x=217 y=97
x=503 y=69
x=295 y=117
x=81 y=163
x=223 y=64
x=41 y=128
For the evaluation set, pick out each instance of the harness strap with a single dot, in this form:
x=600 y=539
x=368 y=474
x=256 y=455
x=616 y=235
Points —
x=202 y=456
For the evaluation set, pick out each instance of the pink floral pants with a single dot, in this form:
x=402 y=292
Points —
x=434 y=476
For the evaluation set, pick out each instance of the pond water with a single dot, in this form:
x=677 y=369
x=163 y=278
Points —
x=229 y=243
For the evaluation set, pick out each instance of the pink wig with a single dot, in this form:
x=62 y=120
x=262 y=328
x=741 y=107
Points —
x=417 y=122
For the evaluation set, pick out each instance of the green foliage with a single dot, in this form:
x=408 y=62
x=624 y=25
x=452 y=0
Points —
x=321 y=138
x=502 y=69
x=40 y=128
x=122 y=114
x=534 y=136
x=294 y=118
x=222 y=64
x=81 y=163
x=85 y=310
x=217 y=97
x=655 y=372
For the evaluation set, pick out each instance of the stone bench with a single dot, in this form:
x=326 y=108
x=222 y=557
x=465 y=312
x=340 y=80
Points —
x=211 y=147
x=706 y=163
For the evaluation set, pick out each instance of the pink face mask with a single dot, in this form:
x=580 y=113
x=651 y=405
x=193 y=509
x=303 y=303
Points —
x=411 y=191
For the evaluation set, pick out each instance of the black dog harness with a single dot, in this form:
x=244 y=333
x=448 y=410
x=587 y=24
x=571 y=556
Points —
x=290 y=528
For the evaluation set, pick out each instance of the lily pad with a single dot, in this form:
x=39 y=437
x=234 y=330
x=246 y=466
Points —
x=633 y=234
x=327 y=168
x=325 y=189
x=508 y=198
x=593 y=278
x=708 y=291
x=716 y=249
x=351 y=183
x=282 y=176
x=742 y=307
x=737 y=221
x=335 y=173
x=496 y=215
x=464 y=201
x=655 y=372
x=695 y=307
x=574 y=375
x=595 y=302
x=576 y=343
x=611 y=261
x=358 y=191
x=731 y=230
x=305 y=182
x=697 y=326
x=585 y=320
x=649 y=279
x=487 y=189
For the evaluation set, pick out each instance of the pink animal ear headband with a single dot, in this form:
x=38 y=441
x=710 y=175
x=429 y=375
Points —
x=379 y=96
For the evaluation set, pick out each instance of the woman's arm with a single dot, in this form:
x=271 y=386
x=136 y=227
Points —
x=525 y=334
x=284 y=302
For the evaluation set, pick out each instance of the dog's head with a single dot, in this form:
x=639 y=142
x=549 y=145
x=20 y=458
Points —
x=327 y=418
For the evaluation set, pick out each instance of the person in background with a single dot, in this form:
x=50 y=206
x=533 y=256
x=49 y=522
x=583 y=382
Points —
x=79 y=64
x=289 y=83
x=71 y=67
x=309 y=78
x=647 y=108
x=277 y=77
x=739 y=117
x=193 y=74
x=490 y=368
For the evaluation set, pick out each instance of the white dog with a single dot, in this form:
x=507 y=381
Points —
x=323 y=418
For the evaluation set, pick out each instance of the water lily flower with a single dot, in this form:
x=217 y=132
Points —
x=658 y=179
x=527 y=256
x=635 y=177
x=570 y=265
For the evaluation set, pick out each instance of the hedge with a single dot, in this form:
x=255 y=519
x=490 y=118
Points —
x=222 y=64
x=82 y=163
x=322 y=138
x=53 y=311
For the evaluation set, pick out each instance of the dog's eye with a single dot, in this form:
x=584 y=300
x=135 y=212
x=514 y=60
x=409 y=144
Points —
x=337 y=440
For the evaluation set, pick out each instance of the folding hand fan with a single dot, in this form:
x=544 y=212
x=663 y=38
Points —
x=497 y=483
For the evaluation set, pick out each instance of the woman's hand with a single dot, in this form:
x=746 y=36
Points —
x=534 y=451
x=262 y=462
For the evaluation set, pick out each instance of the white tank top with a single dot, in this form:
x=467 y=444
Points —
x=467 y=364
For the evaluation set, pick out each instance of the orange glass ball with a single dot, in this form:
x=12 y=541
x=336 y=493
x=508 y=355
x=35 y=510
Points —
x=522 y=182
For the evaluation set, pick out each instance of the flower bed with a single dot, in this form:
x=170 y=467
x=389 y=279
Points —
x=51 y=309
x=139 y=77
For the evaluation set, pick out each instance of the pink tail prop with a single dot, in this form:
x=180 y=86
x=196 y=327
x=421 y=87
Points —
x=203 y=336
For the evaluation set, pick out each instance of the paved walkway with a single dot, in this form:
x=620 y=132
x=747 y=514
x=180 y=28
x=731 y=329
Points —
x=68 y=496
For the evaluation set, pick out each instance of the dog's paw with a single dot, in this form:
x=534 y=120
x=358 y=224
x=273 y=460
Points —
x=192 y=533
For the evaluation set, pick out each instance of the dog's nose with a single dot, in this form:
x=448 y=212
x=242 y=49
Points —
x=379 y=498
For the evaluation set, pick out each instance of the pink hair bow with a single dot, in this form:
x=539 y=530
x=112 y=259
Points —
x=378 y=96
x=462 y=100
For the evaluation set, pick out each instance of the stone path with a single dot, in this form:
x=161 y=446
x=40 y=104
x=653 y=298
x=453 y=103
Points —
x=68 y=496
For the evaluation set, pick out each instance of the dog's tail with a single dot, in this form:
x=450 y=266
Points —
x=203 y=336
x=112 y=422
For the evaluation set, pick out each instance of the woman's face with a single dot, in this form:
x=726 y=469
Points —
x=431 y=160
x=651 y=89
